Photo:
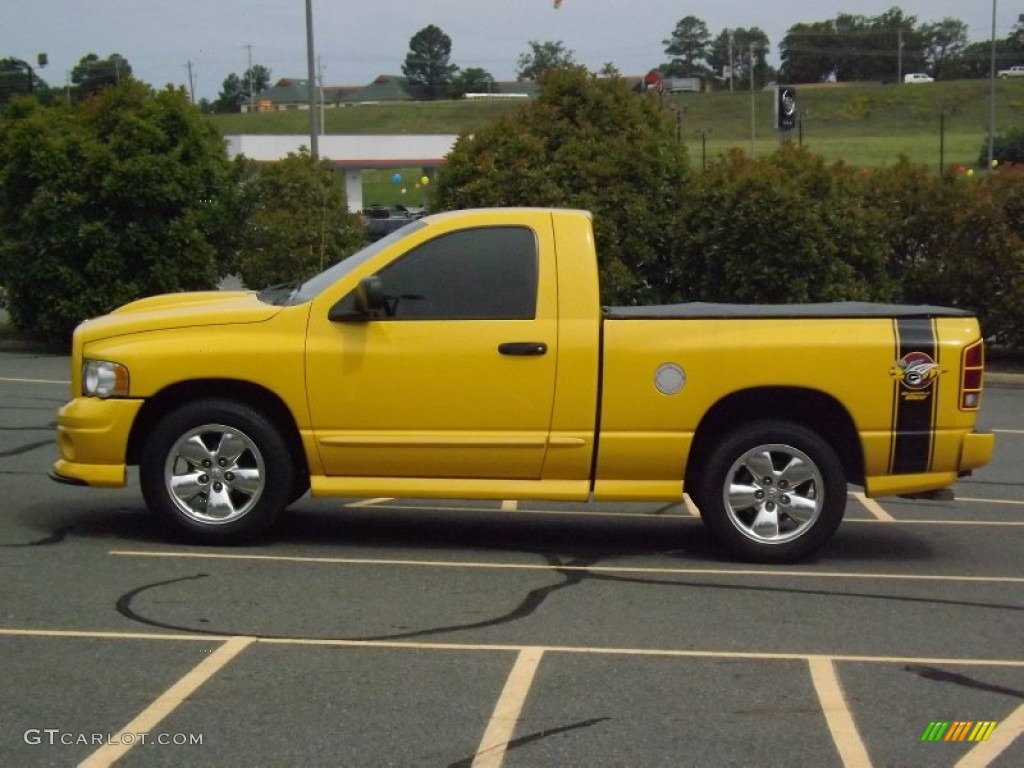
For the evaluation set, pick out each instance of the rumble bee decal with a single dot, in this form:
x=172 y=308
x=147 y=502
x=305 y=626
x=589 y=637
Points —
x=915 y=386
x=916 y=371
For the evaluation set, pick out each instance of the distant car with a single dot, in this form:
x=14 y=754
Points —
x=1017 y=71
x=918 y=77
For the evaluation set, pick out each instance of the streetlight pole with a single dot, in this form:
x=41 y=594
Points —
x=992 y=93
x=753 y=105
x=251 y=102
x=314 y=144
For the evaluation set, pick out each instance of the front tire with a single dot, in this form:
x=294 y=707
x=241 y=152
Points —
x=773 y=492
x=216 y=470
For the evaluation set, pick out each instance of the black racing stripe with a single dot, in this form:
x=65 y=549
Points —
x=914 y=419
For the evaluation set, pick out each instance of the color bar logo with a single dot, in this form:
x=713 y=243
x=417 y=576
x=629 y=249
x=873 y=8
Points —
x=959 y=730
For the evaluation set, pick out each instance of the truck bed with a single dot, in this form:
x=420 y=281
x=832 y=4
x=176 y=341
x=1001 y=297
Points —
x=844 y=309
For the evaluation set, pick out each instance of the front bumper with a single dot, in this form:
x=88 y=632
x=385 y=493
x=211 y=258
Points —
x=92 y=437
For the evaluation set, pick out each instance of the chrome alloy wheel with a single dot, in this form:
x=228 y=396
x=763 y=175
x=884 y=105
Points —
x=773 y=493
x=214 y=474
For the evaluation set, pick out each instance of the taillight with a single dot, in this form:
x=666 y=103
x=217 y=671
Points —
x=972 y=369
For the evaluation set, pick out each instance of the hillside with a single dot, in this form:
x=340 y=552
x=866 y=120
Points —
x=863 y=123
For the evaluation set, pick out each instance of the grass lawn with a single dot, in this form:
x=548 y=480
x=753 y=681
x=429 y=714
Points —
x=863 y=124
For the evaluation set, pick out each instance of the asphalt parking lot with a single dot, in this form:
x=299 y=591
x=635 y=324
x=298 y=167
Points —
x=384 y=632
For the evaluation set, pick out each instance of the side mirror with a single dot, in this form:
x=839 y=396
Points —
x=369 y=295
x=362 y=304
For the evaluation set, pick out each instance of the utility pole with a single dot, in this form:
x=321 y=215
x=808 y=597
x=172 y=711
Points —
x=191 y=82
x=250 y=77
x=730 y=62
x=899 y=55
x=992 y=94
x=753 y=107
x=320 y=83
x=314 y=143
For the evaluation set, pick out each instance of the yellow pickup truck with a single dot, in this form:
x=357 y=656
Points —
x=467 y=356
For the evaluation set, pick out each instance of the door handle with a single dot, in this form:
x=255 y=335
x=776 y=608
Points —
x=523 y=348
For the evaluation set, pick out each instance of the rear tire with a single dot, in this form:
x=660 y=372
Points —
x=773 y=492
x=218 y=471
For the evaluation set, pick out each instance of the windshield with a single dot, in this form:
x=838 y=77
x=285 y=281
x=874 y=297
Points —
x=298 y=292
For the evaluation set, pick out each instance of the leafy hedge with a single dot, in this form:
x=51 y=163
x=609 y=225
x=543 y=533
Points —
x=130 y=194
x=119 y=197
x=784 y=228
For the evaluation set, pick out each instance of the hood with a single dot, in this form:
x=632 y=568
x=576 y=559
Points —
x=178 y=310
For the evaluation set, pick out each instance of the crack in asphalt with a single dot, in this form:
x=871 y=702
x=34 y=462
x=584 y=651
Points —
x=54 y=538
x=941 y=675
x=26 y=448
x=532 y=737
x=535 y=598
x=530 y=603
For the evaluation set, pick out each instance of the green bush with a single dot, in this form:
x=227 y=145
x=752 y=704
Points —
x=297 y=221
x=781 y=229
x=585 y=142
x=1006 y=148
x=124 y=195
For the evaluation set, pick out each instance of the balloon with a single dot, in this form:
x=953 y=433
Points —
x=416 y=185
x=403 y=190
x=970 y=172
x=424 y=181
x=995 y=163
x=397 y=178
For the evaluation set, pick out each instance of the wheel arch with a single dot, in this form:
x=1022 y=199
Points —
x=811 y=408
x=243 y=392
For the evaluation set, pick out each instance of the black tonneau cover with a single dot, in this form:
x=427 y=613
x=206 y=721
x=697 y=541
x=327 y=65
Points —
x=848 y=309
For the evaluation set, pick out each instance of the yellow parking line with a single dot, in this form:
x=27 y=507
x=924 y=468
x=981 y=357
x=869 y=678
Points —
x=491 y=752
x=171 y=699
x=1002 y=737
x=36 y=381
x=851 y=747
x=874 y=508
x=370 y=502
x=989 y=501
x=100 y=635
x=509 y=505
x=590 y=650
x=772 y=572
x=690 y=506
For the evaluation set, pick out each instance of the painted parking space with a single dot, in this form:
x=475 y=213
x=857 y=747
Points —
x=376 y=631
x=251 y=701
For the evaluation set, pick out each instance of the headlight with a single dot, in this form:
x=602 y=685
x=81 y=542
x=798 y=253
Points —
x=101 y=378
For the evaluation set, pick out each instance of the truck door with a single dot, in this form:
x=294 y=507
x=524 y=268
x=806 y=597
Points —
x=456 y=377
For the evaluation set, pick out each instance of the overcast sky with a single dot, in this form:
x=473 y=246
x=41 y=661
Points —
x=359 y=40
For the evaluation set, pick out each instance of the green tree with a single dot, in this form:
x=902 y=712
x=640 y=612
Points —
x=689 y=46
x=297 y=221
x=944 y=40
x=733 y=47
x=585 y=142
x=121 y=196
x=92 y=73
x=428 y=64
x=854 y=47
x=541 y=57
x=741 y=41
x=472 y=80
x=237 y=90
x=18 y=77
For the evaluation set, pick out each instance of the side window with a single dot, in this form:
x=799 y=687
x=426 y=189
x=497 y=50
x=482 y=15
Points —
x=488 y=273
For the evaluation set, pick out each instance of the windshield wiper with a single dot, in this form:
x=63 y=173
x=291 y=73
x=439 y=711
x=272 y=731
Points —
x=280 y=295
